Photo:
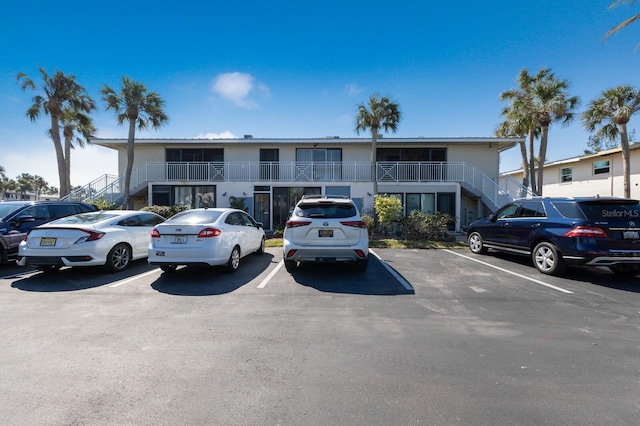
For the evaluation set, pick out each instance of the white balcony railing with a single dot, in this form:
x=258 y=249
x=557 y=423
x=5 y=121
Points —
x=269 y=172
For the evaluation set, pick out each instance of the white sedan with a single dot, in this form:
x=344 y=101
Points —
x=212 y=236
x=110 y=238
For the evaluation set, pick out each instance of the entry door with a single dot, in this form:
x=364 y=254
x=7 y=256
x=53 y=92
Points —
x=447 y=204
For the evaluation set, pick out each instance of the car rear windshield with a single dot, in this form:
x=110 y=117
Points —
x=611 y=210
x=84 y=219
x=195 y=217
x=328 y=210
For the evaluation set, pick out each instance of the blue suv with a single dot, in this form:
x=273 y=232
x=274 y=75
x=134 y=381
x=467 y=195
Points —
x=18 y=217
x=558 y=232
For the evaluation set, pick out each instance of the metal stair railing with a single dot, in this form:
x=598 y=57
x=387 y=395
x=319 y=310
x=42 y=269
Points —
x=92 y=190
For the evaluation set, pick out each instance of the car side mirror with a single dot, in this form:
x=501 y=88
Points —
x=259 y=225
x=493 y=218
x=22 y=219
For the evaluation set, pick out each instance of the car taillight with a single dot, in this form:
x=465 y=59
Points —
x=355 y=223
x=209 y=232
x=360 y=253
x=92 y=236
x=155 y=233
x=586 y=232
x=296 y=223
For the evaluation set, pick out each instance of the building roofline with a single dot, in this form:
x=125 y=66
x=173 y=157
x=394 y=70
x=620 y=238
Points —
x=502 y=143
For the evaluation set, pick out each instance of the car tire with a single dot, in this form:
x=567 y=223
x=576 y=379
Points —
x=168 y=268
x=48 y=269
x=290 y=265
x=119 y=258
x=547 y=260
x=361 y=265
x=261 y=248
x=476 y=244
x=234 y=260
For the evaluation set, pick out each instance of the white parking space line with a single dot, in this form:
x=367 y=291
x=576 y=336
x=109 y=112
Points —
x=271 y=274
x=511 y=272
x=128 y=280
x=20 y=274
x=397 y=276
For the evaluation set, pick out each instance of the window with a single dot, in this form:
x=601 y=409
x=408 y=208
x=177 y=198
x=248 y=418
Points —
x=600 y=167
x=566 y=174
x=508 y=211
x=532 y=209
x=423 y=202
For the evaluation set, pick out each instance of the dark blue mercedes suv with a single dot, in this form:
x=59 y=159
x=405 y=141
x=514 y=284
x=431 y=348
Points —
x=18 y=217
x=558 y=232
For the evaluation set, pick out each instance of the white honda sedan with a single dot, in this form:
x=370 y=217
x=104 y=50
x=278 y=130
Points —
x=211 y=236
x=111 y=238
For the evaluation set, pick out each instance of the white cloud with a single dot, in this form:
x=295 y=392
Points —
x=353 y=89
x=236 y=87
x=224 y=135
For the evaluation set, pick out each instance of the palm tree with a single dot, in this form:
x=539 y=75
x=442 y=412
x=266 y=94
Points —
x=550 y=103
x=25 y=184
x=608 y=116
x=520 y=121
x=39 y=185
x=77 y=128
x=60 y=92
x=140 y=108
x=382 y=113
x=624 y=23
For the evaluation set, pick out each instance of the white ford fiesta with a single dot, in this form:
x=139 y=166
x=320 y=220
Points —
x=111 y=238
x=211 y=236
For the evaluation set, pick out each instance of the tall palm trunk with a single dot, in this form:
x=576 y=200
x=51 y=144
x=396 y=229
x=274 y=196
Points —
x=374 y=168
x=626 y=159
x=127 y=175
x=544 y=134
x=525 y=165
x=532 y=163
x=57 y=144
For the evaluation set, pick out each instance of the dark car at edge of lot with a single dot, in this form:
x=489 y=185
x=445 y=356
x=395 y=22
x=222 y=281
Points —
x=557 y=232
x=18 y=217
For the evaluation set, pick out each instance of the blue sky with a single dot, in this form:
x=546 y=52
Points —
x=298 y=68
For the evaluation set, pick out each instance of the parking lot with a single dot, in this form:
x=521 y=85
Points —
x=432 y=337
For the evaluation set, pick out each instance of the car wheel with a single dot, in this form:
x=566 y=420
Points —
x=547 y=260
x=48 y=269
x=290 y=265
x=261 y=248
x=168 y=268
x=476 y=244
x=234 y=260
x=361 y=265
x=118 y=258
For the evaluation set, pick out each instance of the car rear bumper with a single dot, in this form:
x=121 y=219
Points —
x=301 y=254
x=59 y=261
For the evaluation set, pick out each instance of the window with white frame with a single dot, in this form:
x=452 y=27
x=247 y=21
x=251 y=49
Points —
x=600 y=167
x=566 y=174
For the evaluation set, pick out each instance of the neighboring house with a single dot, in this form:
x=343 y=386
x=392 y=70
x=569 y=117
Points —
x=452 y=175
x=11 y=195
x=588 y=175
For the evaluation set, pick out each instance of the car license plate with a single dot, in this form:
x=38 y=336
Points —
x=630 y=235
x=47 y=242
x=178 y=239
x=325 y=233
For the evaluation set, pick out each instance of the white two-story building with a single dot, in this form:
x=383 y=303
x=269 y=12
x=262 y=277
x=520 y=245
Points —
x=451 y=175
x=598 y=174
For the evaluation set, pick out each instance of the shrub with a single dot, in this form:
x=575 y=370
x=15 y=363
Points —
x=165 y=211
x=388 y=209
x=371 y=225
x=422 y=226
x=103 y=204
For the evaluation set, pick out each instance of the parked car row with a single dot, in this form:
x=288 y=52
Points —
x=321 y=229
